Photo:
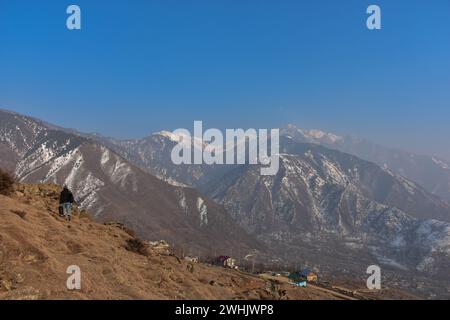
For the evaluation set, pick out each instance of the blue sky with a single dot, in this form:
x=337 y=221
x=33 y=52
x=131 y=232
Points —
x=137 y=67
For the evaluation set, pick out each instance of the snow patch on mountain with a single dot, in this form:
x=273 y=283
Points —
x=183 y=139
x=333 y=172
x=311 y=135
x=203 y=211
x=119 y=172
x=172 y=136
x=106 y=156
x=170 y=180
x=440 y=163
x=435 y=234
x=182 y=201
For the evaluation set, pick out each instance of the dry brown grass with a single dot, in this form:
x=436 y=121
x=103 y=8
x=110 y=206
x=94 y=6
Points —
x=36 y=251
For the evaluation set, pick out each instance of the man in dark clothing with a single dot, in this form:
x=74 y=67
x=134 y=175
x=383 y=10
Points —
x=65 y=202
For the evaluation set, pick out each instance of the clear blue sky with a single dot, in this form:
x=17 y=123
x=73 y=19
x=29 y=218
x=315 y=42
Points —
x=141 y=66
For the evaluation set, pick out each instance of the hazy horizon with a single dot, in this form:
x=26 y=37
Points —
x=191 y=127
x=140 y=68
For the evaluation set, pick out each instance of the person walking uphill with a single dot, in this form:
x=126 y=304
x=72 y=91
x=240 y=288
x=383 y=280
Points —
x=65 y=202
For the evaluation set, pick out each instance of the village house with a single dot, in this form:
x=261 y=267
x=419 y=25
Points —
x=304 y=275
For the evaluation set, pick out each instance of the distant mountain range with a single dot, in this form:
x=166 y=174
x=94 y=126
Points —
x=430 y=172
x=336 y=202
x=150 y=153
x=112 y=188
x=323 y=196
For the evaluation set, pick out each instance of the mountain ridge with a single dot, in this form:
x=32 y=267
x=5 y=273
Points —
x=431 y=172
x=113 y=188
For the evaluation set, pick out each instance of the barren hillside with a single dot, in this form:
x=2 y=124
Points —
x=37 y=246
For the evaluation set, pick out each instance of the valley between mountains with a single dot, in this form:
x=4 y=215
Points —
x=331 y=206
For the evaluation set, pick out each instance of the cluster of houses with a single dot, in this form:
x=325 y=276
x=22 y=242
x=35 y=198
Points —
x=225 y=261
x=222 y=261
x=297 y=278
x=301 y=278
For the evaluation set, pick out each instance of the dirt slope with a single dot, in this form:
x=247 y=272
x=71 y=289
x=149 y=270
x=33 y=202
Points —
x=37 y=246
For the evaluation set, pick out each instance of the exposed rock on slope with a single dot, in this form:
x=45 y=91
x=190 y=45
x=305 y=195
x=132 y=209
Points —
x=152 y=154
x=324 y=200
